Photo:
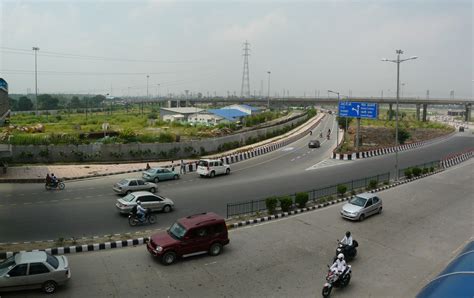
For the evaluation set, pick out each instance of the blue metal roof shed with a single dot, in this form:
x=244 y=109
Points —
x=229 y=114
x=456 y=280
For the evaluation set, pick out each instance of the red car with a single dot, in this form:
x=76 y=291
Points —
x=189 y=236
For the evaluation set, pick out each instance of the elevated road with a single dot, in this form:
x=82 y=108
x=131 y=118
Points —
x=87 y=208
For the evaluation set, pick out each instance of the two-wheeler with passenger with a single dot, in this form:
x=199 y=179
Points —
x=335 y=280
x=134 y=219
x=55 y=185
x=349 y=252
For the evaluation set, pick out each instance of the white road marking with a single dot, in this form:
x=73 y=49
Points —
x=287 y=149
x=327 y=163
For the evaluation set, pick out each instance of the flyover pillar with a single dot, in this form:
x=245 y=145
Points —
x=467 y=114
x=425 y=107
x=390 y=111
x=417 y=112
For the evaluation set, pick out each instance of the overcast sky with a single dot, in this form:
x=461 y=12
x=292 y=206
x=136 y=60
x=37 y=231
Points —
x=110 y=46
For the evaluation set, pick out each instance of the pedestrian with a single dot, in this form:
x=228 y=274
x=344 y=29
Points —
x=184 y=166
x=181 y=168
x=148 y=166
x=172 y=166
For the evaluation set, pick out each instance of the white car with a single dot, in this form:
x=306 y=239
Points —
x=212 y=167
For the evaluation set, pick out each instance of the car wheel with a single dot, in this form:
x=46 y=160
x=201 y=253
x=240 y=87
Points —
x=227 y=172
x=215 y=249
x=166 y=208
x=153 y=190
x=175 y=177
x=156 y=180
x=168 y=258
x=49 y=287
x=212 y=174
x=380 y=210
x=361 y=217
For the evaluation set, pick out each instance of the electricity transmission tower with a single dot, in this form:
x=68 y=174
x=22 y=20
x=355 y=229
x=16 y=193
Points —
x=245 y=90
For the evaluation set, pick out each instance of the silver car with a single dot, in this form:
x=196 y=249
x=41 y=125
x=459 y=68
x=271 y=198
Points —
x=362 y=206
x=148 y=200
x=127 y=186
x=34 y=270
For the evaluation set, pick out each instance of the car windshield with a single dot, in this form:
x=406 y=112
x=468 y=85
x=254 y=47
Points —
x=122 y=182
x=177 y=231
x=7 y=264
x=129 y=197
x=203 y=163
x=53 y=261
x=358 y=201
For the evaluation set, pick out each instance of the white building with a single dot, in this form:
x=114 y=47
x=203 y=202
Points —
x=178 y=113
x=249 y=110
x=205 y=118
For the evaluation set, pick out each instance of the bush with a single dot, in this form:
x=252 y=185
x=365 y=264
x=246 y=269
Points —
x=425 y=170
x=353 y=192
x=286 y=203
x=431 y=169
x=271 y=204
x=301 y=199
x=408 y=173
x=416 y=171
x=341 y=189
x=373 y=184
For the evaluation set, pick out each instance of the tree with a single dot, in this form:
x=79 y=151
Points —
x=25 y=104
x=403 y=135
x=342 y=122
x=13 y=104
x=75 y=103
x=47 y=102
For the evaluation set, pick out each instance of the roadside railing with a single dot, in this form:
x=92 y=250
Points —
x=255 y=206
x=435 y=164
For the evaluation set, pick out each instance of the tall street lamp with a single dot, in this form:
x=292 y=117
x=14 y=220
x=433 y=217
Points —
x=337 y=114
x=268 y=95
x=36 y=49
x=147 y=78
x=397 y=61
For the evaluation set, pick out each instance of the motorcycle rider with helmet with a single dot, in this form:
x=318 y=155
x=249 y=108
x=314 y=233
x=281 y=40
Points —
x=348 y=243
x=140 y=211
x=339 y=265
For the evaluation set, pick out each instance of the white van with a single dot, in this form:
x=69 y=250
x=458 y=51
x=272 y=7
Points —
x=212 y=167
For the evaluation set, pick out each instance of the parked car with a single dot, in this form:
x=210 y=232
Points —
x=34 y=270
x=159 y=174
x=127 y=186
x=148 y=200
x=192 y=235
x=212 y=167
x=314 y=144
x=362 y=206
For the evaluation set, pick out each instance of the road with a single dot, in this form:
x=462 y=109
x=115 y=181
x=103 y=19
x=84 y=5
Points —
x=86 y=208
x=423 y=225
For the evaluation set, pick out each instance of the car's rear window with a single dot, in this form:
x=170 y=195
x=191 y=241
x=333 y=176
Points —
x=129 y=197
x=203 y=163
x=53 y=261
x=358 y=201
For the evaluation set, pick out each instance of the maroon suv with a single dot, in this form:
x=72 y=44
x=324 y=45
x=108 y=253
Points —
x=192 y=235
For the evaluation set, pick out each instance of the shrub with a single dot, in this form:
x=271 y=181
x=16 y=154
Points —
x=431 y=169
x=341 y=189
x=408 y=173
x=166 y=137
x=373 y=184
x=416 y=171
x=425 y=170
x=271 y=204
x=286 y=203
x=301 y=199
x=353 y=192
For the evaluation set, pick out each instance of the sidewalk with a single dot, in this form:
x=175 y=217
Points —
x=37 y=173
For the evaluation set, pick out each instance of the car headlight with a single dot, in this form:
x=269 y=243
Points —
x=159 y=248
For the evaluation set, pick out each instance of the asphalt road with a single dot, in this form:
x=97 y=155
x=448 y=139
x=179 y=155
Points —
x=87 y=208
x=423 y=226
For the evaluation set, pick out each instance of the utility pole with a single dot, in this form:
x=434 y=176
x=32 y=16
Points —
x=245 y=89
x=36 y=49
x=147 y=78
x=268 y=97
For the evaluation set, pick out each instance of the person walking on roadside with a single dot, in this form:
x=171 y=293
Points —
x=182 y=168
x=172 y=166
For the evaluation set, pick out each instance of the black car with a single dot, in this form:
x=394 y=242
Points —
x=314 y=144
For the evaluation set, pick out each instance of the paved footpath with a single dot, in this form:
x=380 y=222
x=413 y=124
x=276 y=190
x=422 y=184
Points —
x=423 y=226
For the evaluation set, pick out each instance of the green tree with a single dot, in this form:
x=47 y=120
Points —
x=25 y=104
x=342 y=122
x=403 y=135
x=75 y=103
x=47 y=102
x=13 y=104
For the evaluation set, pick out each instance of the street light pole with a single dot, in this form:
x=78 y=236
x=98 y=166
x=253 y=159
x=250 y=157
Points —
x=398 y=61
x=147 y=77
x=268 y=96
x=337 y=114
x=36 y=49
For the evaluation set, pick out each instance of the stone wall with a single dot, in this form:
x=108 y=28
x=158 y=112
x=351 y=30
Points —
x=139 y=151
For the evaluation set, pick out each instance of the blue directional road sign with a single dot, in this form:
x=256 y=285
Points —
x=358 y=109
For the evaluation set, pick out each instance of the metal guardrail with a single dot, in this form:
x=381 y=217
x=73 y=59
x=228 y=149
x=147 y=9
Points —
x=313 y=195
x=427 y=165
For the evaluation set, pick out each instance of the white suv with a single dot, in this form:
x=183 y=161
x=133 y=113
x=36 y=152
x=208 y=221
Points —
x=212 y=167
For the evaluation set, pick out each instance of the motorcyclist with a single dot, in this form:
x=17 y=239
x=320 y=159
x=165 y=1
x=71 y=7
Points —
x=54 y=180
x=48 y=179
x=140 y=211
x=348 y=242
x=310 y=132
x=339 y=265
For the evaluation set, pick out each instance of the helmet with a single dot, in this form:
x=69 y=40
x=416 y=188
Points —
x=138 y=202
x=340 y=256
x=348 y=234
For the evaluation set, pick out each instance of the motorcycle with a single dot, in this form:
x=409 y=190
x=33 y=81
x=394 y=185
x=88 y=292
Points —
x=334 y=280
x=349 y=252
x=149 y=217
x=58 y=185
x=328 y=136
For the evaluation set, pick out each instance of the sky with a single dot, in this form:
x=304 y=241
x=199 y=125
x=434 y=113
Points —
x=100 y=47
